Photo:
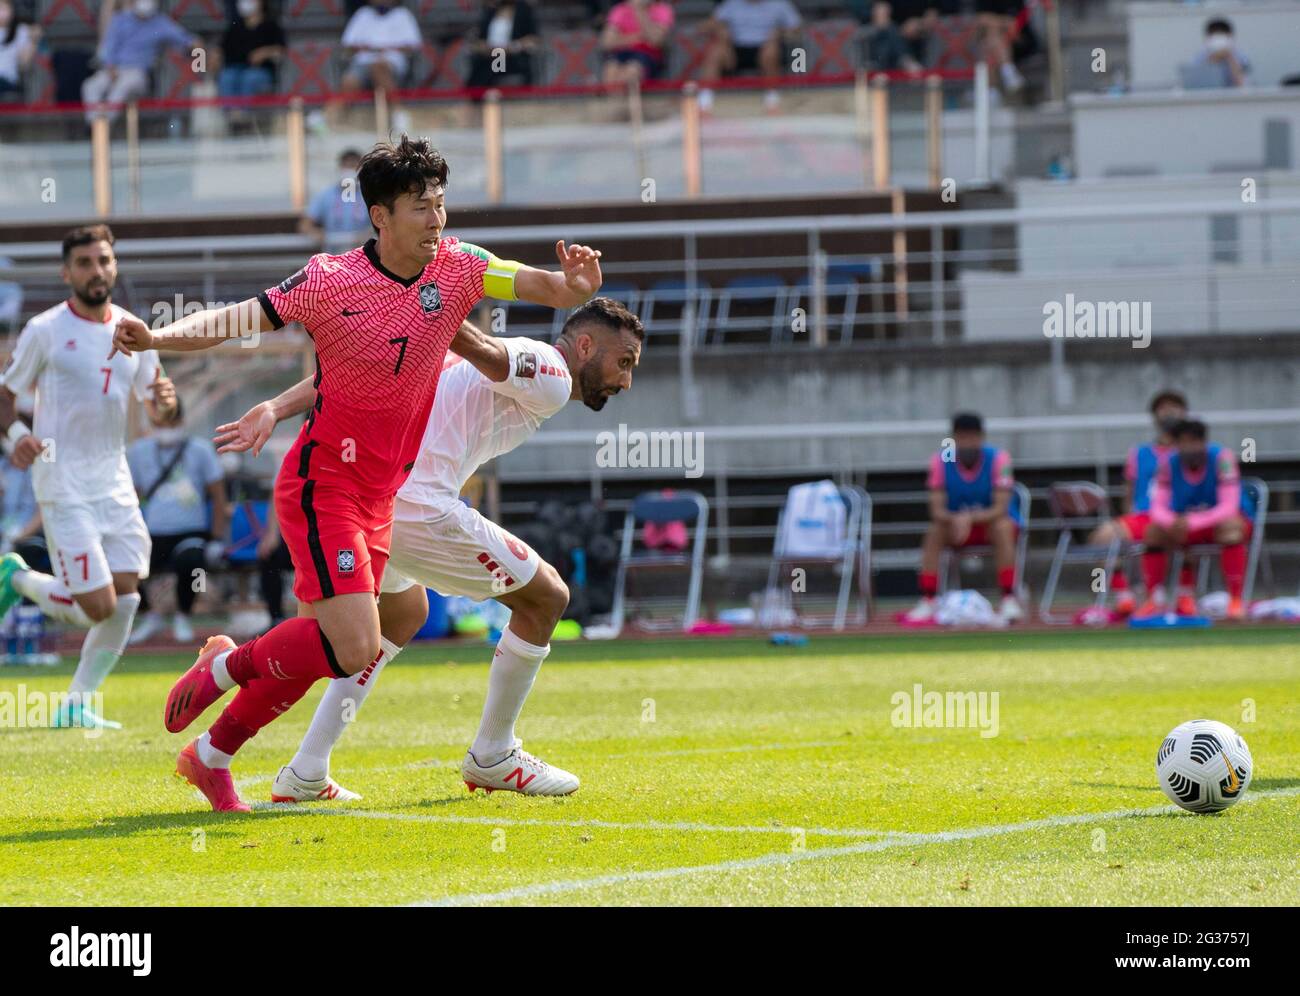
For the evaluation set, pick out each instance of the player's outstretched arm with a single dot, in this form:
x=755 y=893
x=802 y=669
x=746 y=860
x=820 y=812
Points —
x=253 y=430
x=576 y=283
x=487 y=353
x=201 y=330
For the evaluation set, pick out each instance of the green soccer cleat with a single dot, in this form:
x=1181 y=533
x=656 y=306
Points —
x=77 y=716
x=9 y=596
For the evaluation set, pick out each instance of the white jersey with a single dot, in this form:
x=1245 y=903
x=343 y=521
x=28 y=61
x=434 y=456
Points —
x=475 y=419
x=81 y=403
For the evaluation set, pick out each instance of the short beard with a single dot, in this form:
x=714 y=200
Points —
x=100 y=296
x=593 y=394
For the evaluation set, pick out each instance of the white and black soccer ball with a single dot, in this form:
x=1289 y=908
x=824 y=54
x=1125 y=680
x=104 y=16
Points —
x=1204 y=766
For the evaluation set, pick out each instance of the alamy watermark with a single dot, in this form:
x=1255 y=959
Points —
x=919 y=709
x=1074 y=319
x=637 y=450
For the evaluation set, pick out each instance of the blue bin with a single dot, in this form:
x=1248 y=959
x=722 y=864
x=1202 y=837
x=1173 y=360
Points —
x=436 y=626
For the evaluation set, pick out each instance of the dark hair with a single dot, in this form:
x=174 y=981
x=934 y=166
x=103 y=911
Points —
x=1218 y=24
x=1167 y=397
x=388 y=171
x=349 y=153
x=1192 y=427
x=84 y=236
x=967 y=422
x=607 y=312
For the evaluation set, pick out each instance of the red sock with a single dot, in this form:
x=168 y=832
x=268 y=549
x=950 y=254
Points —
x=1118 y=581
x=1187 y=577
x=1233 y=560
x=294 y=649
x=929 y=584
x=1154 y=566
x=252 y=708
x=1007 y=580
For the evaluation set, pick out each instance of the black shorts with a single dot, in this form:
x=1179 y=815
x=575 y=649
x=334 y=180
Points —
x=746 y=58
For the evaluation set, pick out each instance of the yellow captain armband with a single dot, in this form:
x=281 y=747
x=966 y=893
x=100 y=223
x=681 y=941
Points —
x=499 y=278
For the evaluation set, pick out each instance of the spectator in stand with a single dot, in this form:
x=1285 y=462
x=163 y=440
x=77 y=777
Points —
x=17 y=47
x=338 y=213
x=748 y=35
x=1219 y=63
x=380 y=39
x=132 y=44
x=994 y=20
x=509 y=28
x=970 y=505
x=250 y=50
x=1198 y=498
x=900 y=32
x=633 y=40
x=178 y=477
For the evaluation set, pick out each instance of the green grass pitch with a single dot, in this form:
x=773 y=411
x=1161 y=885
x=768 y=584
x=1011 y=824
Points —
x=713 y=772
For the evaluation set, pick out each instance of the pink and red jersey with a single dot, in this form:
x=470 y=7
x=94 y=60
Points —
x=380 y=344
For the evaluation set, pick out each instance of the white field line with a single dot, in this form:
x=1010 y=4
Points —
x=820 y=854
x=678 y=752
x=310 y=809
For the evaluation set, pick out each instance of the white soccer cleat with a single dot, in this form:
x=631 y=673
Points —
x=1009 y=609
x=145 y=628
x=923 y=611
x=288 y=787
x=182 y=630
x=519 y=772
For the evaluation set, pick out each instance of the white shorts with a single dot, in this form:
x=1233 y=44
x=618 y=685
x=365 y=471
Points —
x=455 y=551
x=91 y=541
x=363 y=61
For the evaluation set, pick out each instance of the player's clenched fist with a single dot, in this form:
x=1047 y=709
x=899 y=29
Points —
x=131 y=336
x=250 y=433
x=26 y=450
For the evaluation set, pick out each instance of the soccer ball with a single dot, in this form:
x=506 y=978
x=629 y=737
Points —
x=1204 y=766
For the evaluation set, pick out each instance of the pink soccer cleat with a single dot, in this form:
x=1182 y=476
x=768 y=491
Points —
x=196 y=689
x=215 y=783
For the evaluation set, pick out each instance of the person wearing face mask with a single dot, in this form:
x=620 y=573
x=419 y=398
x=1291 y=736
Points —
x=1167 y=408
x=251 y=48
x=135 y=39
x=380 y=39
x=1197 y=498
x=970 y=486
x=17 y=46
x=337 y=213
x=1220 y=63
x=179 y=478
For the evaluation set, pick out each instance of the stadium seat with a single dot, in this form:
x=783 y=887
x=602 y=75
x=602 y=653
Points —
x=1078 y=506
x=761 y=291
x=440 y=67
x=660 y=508
x=848 y=549
x=950 y=562
x=672 y=295
x=571 y=58
x=306 y=70
x=175 y=75
x=1257 y=491
x=11 y=297
x=199 y=15
x=832 y=46
x=841 y=285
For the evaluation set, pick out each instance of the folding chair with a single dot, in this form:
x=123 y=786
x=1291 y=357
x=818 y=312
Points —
x=655 y=507
x=1078 y=505
x=674 y=293
x=853 y=552
x=1257 y=494
x=948 y=564
x=754 y=289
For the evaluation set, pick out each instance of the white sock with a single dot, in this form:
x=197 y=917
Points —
x=514 y=668
x=219 y=673
x=104 y=645
x=209 y=755
x=338 y=707
x=52 y=597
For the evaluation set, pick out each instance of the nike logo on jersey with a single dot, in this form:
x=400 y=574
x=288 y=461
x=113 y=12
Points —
x=348 y=314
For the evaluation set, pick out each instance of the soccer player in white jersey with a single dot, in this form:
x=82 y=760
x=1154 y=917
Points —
x=97 y=539
x=484 y=407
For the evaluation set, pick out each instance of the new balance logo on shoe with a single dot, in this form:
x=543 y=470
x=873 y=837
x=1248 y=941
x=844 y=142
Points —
x=519 y=779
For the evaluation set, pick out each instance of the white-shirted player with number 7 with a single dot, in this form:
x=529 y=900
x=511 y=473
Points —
x=98 y=543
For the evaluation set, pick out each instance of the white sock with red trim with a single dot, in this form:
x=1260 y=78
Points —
x=103 y=645
x=338 y=707
x=52 y=597
x=514 y=669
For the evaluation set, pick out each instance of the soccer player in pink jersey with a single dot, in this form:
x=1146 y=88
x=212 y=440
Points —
x=971 y=504
x=1168 y=408
x=381 y=317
